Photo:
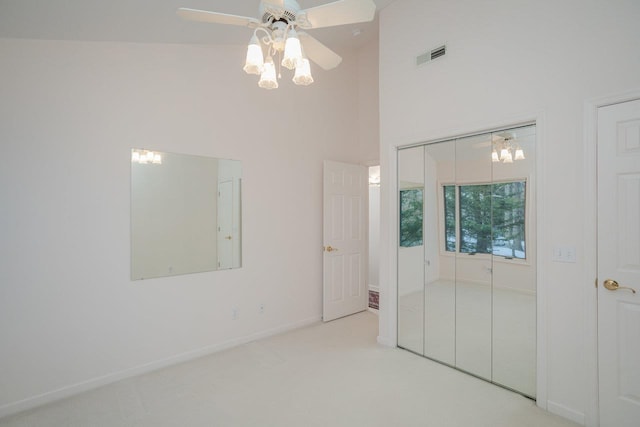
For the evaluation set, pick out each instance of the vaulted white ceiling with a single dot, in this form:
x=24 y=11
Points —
x=154 y=21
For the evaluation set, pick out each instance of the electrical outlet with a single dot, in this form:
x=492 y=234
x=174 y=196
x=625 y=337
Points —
x=234 y=313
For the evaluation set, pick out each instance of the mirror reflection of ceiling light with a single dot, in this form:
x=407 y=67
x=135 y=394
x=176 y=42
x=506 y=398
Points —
x=145 y=157
x=506 y=148
x=374 y=176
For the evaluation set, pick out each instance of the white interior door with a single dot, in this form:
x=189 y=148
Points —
x=345 y=240
x=619 y=264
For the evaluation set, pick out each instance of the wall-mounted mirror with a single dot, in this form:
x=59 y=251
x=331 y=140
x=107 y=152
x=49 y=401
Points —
x=185 y=214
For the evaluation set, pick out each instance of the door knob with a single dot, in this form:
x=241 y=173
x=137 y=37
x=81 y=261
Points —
x=612 y=285
x=330 y=249
x=228 y=237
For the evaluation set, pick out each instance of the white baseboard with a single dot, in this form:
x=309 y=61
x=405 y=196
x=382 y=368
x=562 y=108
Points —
x=516 y=290
x=385 y=341
x=73 y=389
x=568 y=413
x=373 y=310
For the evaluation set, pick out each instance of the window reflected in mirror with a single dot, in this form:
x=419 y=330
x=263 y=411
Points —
x=491 y=218
x=411 y=217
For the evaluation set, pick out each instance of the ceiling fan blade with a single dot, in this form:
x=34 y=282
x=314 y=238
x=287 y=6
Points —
x=277 y=3
x=340 y=12
x=319 y=53
x=217 y=18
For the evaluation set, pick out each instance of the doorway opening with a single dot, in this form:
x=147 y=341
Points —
x=374 y=239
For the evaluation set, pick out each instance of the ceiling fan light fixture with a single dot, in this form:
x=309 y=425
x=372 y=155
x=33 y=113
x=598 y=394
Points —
x=268 y=78
x=255 y=60
x=519 y=154
x=282 y=25
x=292 y=50
x=303 y=73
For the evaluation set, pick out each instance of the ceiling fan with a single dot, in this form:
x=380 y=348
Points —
x=279 y=31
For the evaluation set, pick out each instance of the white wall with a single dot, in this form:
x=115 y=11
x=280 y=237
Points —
x=368 y=103
x=369 y=146
x=70 y=317
x=511 y=61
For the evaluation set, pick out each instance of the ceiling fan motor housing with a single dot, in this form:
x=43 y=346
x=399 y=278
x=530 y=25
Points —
x=288 y=13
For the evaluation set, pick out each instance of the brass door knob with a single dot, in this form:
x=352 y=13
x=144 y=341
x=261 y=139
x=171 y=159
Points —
x=612 y=285
x=228 y=237
x=330 y=249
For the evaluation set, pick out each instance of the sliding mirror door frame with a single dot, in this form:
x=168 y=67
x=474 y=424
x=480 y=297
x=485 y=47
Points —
x=499 y=370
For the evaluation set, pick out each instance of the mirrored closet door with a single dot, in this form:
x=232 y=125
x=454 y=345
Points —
x=411 y=250
x=466 y=256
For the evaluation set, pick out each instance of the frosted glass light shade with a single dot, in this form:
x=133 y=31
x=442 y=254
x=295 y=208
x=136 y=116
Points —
x=508 y=158
x=494 y=156
x=504 y=153
x=135 y=156
x=268 y=78
x=303 y=73
x=292 y=51
x=255 y=60
x=520 y=154
x=157 y=159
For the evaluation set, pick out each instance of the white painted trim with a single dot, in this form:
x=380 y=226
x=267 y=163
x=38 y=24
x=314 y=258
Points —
x=563 y=411
x=388 y=314
x=516 y=290
x=385 y=341
x=71 y=390
x=394 y=239
x=541 y=243
x=590 y=250
x=388 y=249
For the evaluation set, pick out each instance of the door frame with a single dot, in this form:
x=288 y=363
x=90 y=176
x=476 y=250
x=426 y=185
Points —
x=592 y=413
x=219 y=233
x=389 y=237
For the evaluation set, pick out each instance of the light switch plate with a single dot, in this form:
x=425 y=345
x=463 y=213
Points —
x=564 y=254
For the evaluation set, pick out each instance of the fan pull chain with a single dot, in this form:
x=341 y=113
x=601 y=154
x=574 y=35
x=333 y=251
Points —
x=279 y=65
